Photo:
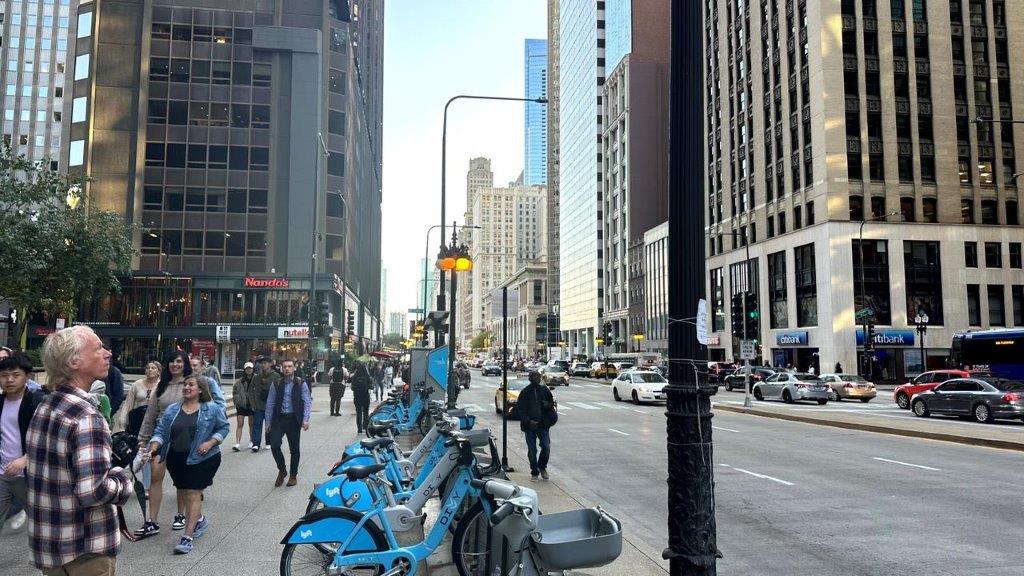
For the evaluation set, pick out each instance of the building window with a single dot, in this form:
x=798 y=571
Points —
x=336 y=164
x=76 y=153
x=929 y=209
x=797 y=218
x=877 y=207
x=1012 y=217
x=84 y=25
x=336 y=122
x=777 y=296
x=875 y=274
x=966 y=211
x=973 y=305
x=78 y=109
x=1015 y=255
x=718 y=300
x=782 y=223
x=907 y=209
x=989 y=211
x=923 y=271
x=996 y=311
x=338 y=40
x=810 y=213
x=771 y=226
x=806 y=286
x=336 y=81
x=993 y=255
x=1017 y=291
x=856 y=208
x=82 y=67
x=971 y=254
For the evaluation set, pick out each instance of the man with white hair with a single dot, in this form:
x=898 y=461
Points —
x=72 y=489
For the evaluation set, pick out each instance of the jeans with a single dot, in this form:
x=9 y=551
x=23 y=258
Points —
x=337 y=392
x=362 y=413
x=532 y=436
x=13 y=492
x=285 y=425
x=256 y=427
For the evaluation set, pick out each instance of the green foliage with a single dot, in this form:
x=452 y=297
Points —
x=56 y=248
x=393 y=340
x=481 y=339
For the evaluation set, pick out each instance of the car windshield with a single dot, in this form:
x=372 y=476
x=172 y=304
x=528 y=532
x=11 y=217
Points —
x=518 y=384
x=807 y=378
x=648 y=377
x=490 y=365
x=1005 y=385
x=851 y=378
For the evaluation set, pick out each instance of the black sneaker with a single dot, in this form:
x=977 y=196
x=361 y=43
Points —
x=179 y=522
x=150 y=528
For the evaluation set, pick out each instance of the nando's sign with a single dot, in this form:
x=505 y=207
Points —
x=251 y=282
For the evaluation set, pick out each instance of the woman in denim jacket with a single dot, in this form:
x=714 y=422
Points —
x=188 y=439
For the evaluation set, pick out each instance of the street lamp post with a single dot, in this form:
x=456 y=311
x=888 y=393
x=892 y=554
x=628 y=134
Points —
x=454 y=258
x=160 y=261
x=747 y=402
x=444 y=159
x=320 y=152
x=865 y=363
x=637 y=337
x=426 y=251
x=922 y=327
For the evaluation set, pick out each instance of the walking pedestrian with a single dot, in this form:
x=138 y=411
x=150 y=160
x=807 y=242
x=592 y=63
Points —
x=537 y=415
x=72 y=487
x=168 y=391
x=361 y=396
x=240 y=394
x=188 y=440
x=17 y=405
x=389 y=376
x=210 y=371
x=378 y=381
x=338 y=376
x=133 y=411
x=200 y=368
x=288 y=408
x=839 y=368
x=259 y=388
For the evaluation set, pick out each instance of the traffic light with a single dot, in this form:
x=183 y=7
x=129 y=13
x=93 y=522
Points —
x=737 y=315
x=350 y=322
x=325 y=312
x=753 y=318
x=869 y=337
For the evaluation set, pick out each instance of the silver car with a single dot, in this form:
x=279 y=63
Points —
x=792 y=387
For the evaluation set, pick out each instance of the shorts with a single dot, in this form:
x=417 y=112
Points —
x=192 y=476
x=240 y=411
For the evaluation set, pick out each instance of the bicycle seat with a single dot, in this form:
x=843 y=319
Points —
x=375 y=443
x=380 y=427
x=363 y=472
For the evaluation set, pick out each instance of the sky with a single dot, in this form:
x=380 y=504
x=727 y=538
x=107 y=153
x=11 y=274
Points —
x=432 y=51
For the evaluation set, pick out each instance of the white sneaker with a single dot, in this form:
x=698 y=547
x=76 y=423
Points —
x=18 y=521
x=236 y=447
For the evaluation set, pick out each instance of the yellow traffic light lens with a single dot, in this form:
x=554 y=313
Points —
x=463 y=264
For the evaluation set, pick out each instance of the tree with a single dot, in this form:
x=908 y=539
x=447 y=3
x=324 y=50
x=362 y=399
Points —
x=56 y=250
x=481 y=339
x=393 y=340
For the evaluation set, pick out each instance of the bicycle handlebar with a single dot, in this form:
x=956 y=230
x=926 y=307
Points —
x=503 y=511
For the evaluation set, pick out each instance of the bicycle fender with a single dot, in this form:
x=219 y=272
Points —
x=354 y=460
x=325 y=526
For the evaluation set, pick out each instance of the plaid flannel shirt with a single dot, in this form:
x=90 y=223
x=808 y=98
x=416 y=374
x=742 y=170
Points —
x=72 y=489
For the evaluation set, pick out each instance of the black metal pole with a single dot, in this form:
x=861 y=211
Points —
x=453 y=391
x=504 y=380
x=692 y=534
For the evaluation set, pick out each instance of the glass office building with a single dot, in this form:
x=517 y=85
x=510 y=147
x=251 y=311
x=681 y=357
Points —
x=535 y=119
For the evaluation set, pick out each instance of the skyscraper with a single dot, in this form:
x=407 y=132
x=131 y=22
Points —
x=553 y=230
x=535 y=119
x=831 y=121
x=581 y=74
x=36 y=36
x=207 y=131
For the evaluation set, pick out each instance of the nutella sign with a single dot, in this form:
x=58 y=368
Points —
x=251 y=282
x=292 y=332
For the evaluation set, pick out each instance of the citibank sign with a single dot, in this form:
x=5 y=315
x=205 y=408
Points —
x=251 y=282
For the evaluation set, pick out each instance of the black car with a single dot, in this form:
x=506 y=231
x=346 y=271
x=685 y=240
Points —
x=491 y=370
x=736 y=380
x=983 y=398
x=717 y=371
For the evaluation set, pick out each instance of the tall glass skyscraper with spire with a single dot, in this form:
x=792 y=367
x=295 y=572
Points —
x=535 y=120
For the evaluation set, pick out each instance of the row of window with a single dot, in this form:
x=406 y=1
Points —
x=205 y=243
x=929 y=210
x=993 y=254
x=238 y=73
x=231 y=200
x=182 y=113
x=995 y=296
x=208 y=157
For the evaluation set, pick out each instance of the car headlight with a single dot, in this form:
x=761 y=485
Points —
x=641 y=389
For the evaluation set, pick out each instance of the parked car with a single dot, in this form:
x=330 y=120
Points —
x=491 y=369
x=563 y=364
x=792 y=387
x=514 y=388
x=736 y=379
x=579 y=369
x=623 y=366
x=985 y=398
x=717 y=371
x=923 y=383
x=849 y=386
x=600 y=370
x=640 y=386
x=553 y=375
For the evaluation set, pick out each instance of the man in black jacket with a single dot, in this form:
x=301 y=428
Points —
x=536 y=407
x=17 y=405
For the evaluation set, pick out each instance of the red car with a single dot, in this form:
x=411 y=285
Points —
x=925 y=382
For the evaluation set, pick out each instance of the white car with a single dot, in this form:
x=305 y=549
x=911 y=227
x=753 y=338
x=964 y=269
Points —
x=639 y=386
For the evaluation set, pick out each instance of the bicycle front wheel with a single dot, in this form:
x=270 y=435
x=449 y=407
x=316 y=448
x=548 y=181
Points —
x=314 y=559
x=471 y=542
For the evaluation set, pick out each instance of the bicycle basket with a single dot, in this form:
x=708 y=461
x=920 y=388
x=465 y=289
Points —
x=576 y=539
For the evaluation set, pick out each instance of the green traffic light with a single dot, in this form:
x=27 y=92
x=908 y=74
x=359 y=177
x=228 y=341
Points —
x=753 y=314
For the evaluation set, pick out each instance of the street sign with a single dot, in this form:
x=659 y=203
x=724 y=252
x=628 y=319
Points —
x=415 y=311
x=747 y=350
x=223 y=334
x=864 y=313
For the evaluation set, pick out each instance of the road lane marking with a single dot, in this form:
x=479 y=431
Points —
x=562 y=406
x=906 y=464
x=583 y=405
x=755 y=474
x=610 y=405
x=637 y=410
x=726 y=429
x=618 y=432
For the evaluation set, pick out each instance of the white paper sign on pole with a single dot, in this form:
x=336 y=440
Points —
x=227 y=360
x=702 y=322
x=223 y=334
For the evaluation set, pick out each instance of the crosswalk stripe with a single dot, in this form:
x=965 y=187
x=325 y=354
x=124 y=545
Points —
x=562 y=406
x=583 y=405
x=610 y=405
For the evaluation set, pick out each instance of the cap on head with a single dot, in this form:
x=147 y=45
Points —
x=248 y=365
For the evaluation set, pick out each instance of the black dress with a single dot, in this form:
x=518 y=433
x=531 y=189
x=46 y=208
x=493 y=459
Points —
x=184 y=475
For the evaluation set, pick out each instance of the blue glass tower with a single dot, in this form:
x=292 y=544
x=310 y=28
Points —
x=535 y=119
x=618 y=16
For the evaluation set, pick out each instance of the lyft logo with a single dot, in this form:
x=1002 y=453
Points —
x=305 y=534
x=333 y=492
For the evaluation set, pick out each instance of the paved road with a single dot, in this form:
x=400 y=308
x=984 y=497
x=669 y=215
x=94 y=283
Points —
x=795 y=498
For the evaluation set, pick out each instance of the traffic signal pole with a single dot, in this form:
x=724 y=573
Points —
x=746 y=361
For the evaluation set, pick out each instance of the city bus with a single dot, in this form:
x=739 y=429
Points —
x=639 y=359
x=999 y=351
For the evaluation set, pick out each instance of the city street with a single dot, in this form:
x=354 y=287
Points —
x=792 y=498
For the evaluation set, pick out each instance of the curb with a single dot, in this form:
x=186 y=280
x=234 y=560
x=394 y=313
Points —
x=941 y=436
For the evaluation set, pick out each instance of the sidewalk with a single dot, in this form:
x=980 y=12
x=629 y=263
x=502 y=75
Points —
x=1001 y=434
